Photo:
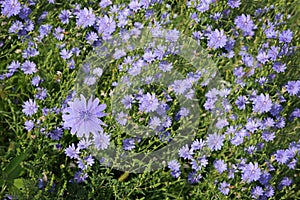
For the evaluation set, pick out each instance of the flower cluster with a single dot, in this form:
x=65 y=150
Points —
x=246 y=129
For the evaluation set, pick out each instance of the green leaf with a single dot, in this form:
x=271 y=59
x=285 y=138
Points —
x=19 y=183
x=13 y=169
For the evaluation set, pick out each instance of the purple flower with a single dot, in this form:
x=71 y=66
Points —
x=83 y=117
x=220 y=166
x=241 y=102
x=273 y=53
x=148 y=103
x=248 y=60
x=292 y=164
x=265 y=178
x=10 y=7
x=14 y=66
x=251 y=172
x=30 y=52
x=296 y=113
x=101 y=140
x=72 y=151
x=279 y=67
x=252 y=125
x=286 y=36
x=36 y=80
x=155 y=123
x=29 y=125
x=84 y=143
x=234 y=3
x=203 y=6
x=127 y=101
x=58 y=33
x=174 y=165
x=122 y=118
x=268 y=136
x=185 y=152
x=65 y=54
x=281 y=156
x=41 y=93
x=24 y=13
x=257 y=192
x=203 y=161
x=194 y=177
x=29 y=107
x=128 y=144
x=221 y=123
x=276 y=110
x=80 y=176
x=106 y=25
x=215 y=141
x=269 y=192
x=16 y=27
x=197 y=145
x=28 y=67
x=134 y=5
x=262 y=103
x=262 y=57
x=56 y=134
x=286 y=181
x=195 y=165
x=91 y=37
x=271 y=33
x=85 y=18
x=45 y=30
x=105 y=3
x=245 y=23
x=172 y=35
x=175 y=174
x=217 y=39
x=224 y=188
x=64 y=16
x=180 y=86
x=293 y=87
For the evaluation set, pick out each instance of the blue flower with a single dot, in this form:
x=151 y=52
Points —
x=251 y=172
x=64 y=16
x=281 y=156
x=29 y=107
x=11 y=7
x=174 y=165
x=293 y=87
x=72 y=151
x=101 y=140
x=128 y=144
x=224 y=188
x=245 y=23
x=105 y=3
x=148 y=103
x=28 y=67
x=220 y=166
x=286 y=36
x=257 y=192
x=85 y=18
x=29 y=125
x=215 y=141
x=286 y=181
x=234 y=3
x=217 y=39
x=262 y=103
x=194 y=177
x=185 y=152
x=80 y=176
x=197 y=144
x=83 y=117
